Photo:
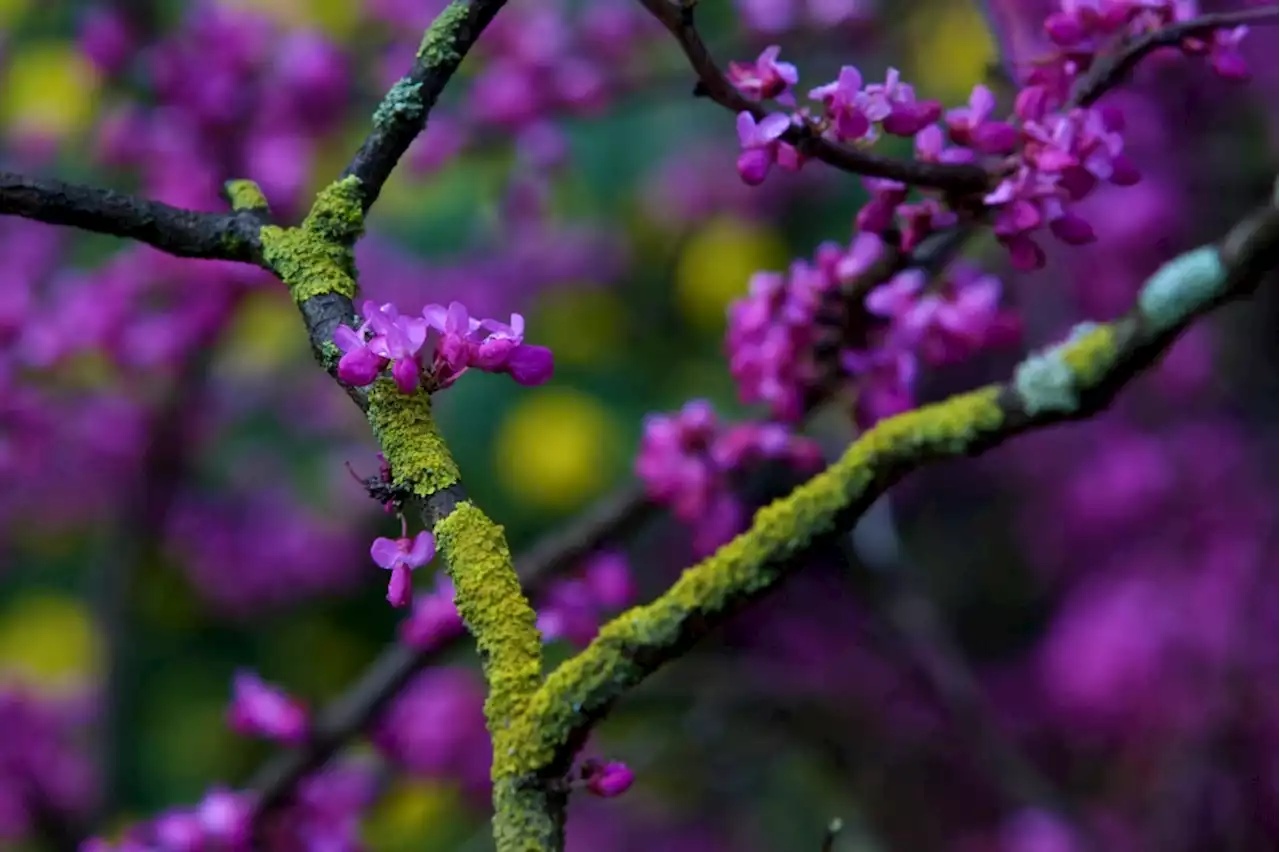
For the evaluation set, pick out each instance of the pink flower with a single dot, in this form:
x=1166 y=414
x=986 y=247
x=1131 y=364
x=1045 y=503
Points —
x=400 y=556
x=607 y=780
x=844 y=102
x=893 y=104
x=765 y=78
x=359 y=365
x=972 y=127
x=261 y=709
x=760 y=145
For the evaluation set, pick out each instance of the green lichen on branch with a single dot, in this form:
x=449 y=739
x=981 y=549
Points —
x=245 y=195
x=403 y=101
x=315 y=258
x=632 y=645
x=421 y=463
x=439 y=45
x=494 y=608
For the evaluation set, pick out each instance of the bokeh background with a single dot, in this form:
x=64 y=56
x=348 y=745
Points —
x=177 y=502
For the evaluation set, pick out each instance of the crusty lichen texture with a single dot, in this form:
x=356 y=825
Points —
x=315 y=258
x=420 y=462
x=439 y=45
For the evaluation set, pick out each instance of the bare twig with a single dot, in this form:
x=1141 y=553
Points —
x=185 y=233
x=1111 y=69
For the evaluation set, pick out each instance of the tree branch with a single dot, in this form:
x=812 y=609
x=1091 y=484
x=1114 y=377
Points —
x=1068 y=382
x=1112 y=68
x=185 y=233
x=960 y=179
x=403 y=112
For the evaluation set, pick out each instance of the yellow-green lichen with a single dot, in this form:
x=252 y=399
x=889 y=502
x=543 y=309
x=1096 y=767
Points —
x=527 y=817
x=310 y=265
x=337 y=214
x=315 y=258
x=412 y=445
x=440 y=42
x=750 y=563
x=245 y=195
x=1091 y=352
x=494 y=607
x=404 y=100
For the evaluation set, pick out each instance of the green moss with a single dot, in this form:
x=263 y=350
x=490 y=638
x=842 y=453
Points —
x=245 y=195
x=753 y=561
x=440 y=42
x=403 y=101
x=495 y=609
x=420 y=462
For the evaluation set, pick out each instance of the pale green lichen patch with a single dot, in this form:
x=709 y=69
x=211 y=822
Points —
x=440 y=42
x=495 y=609
x=403 y=101
x=412 y=445
x=1183 y=286
x=753 y=561
x=245 y=195
x=1051 y=381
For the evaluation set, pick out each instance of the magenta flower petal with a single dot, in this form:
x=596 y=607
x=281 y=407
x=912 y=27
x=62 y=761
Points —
x=386 y=552
x=530 y=365
x=423 y=549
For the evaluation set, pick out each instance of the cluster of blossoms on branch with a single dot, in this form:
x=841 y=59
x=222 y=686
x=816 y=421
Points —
x=1050 y=154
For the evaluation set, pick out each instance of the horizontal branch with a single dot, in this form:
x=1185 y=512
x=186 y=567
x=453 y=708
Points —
x=185 y=233
x=1111 y=69
x=1067 y=382
x=960 y=179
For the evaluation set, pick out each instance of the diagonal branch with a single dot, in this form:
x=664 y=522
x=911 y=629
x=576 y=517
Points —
x=185 y=233
x=403 y=112
x=1068 y=382
x=961 y=179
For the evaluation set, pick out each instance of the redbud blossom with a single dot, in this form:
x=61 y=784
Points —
x=400 y=556
x=264 y=710
x=607 y=780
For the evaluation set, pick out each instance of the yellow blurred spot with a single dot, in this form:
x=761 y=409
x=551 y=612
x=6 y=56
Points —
x=717 y=261
x=408 y=810
x=265 y=334
x=335 y=17
x=49 y=90
x=952 y=48
x=50 y=638
x=553 y=449
x=11 y=11
x=582 y=325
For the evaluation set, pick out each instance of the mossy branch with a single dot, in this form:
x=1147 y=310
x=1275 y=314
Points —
x=1067 y=382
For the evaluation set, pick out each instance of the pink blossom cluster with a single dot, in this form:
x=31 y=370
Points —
x=571 y=608
x=1048 y=155
x=688 y=462
x=323 y=816
x=790 y=340
x=43 y=768
x=387 y=339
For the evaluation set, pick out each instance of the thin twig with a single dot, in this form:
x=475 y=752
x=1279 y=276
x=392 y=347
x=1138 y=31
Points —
x=1111 y=69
